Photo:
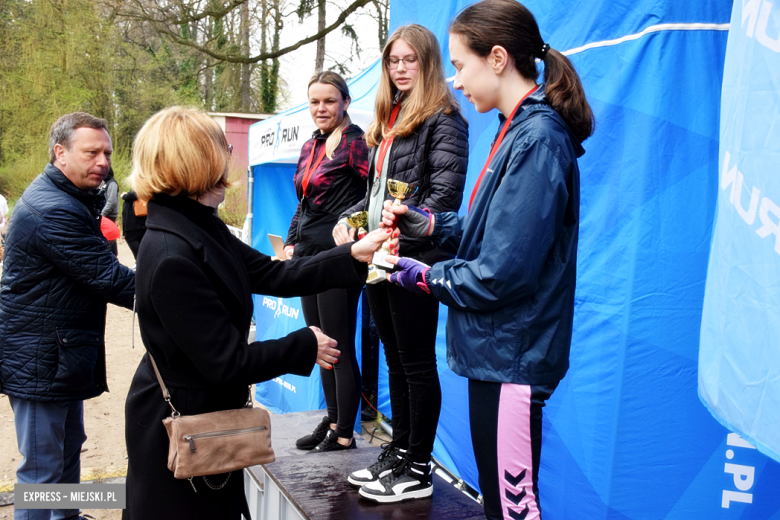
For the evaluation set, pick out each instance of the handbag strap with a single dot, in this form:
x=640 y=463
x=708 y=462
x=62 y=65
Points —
x=166 y=394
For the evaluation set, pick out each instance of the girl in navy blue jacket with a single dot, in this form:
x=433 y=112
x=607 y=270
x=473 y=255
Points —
x=510 y=289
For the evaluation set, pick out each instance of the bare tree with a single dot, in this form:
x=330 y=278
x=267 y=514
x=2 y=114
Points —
x=245 y=67
x=271 y=23
x=167 y=19
x=382 y=19
x=319 y=62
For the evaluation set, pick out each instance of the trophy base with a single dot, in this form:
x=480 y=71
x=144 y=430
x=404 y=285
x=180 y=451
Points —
x=375 y=275
x=379 y=260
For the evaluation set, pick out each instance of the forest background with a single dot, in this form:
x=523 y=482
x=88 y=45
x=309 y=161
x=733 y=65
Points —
x=124 y=60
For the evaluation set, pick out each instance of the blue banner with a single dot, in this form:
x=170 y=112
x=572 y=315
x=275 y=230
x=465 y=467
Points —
x=739 y=359
x=275 y=201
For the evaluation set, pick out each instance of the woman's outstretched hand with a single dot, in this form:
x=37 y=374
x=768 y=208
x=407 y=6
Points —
x=327 y=354
x=363 y=249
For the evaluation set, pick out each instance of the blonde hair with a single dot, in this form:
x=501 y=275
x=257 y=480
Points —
x=429 y=95
x=329 y=77
x=179 y=150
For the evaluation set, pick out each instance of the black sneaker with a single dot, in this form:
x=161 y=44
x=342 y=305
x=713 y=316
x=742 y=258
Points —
x=331 y=443
x=309 y=442
x=368 y=412
x=407 y=481
x=391 y=456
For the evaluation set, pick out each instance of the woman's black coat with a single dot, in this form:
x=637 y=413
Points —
x=194 y=285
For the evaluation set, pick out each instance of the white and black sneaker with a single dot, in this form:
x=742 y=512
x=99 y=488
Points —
x=391 y=456
x=408 y=480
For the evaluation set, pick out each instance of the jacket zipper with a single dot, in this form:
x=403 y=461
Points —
x=223 y=433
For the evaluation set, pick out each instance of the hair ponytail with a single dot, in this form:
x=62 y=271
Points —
x=335 y=136
x=509 y=24
x=565 y=94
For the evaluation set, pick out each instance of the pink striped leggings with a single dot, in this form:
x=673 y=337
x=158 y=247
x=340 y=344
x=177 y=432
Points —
x=506 y=431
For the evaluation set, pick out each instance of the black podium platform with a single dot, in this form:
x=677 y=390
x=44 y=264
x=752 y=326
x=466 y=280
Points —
x=306 y=485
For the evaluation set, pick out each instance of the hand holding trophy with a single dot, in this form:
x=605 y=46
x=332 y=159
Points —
x=359 y=221
x=400 y=190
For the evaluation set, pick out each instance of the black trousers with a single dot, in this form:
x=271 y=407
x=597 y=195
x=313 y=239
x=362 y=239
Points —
x=506 y=432
x=406 y=323
x=369 y=350
x=335 y=313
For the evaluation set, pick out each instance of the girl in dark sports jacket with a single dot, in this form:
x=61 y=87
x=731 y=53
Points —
x=418 y=137
x=331 y=177
x=510 y=289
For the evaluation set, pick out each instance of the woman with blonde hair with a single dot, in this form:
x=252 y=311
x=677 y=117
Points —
x=418 y=137
x=194 y=286
x=331 y=177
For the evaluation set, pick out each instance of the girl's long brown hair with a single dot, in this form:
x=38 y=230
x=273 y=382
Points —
x=429 y=95
x=509 y=24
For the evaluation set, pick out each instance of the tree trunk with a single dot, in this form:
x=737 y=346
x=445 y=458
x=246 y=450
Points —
x=266 y=99
x=245 y=68
x=273 y=82
x=381 y=11
x=320 y=61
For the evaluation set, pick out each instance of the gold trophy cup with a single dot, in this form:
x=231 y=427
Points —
x=400 y=190
x=359 y=221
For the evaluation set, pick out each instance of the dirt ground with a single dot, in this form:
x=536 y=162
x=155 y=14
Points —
x=104 y=455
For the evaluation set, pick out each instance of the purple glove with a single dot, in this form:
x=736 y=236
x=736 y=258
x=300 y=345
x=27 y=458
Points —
x=412 y=276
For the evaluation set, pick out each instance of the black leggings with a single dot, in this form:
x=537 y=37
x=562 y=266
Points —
x=335 y=312
x=407 y=324
x=506 y=432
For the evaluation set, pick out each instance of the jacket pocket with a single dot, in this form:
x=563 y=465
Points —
x=77 y=356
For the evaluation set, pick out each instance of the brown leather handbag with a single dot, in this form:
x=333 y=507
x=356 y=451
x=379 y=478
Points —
x=139 y=208
x=216 y=442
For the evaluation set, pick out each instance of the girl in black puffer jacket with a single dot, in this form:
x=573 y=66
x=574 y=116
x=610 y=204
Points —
x=418 y=137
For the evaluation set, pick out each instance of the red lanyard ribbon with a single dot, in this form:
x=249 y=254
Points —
x=497 y=144
x=380 y=160
x=309 y=171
